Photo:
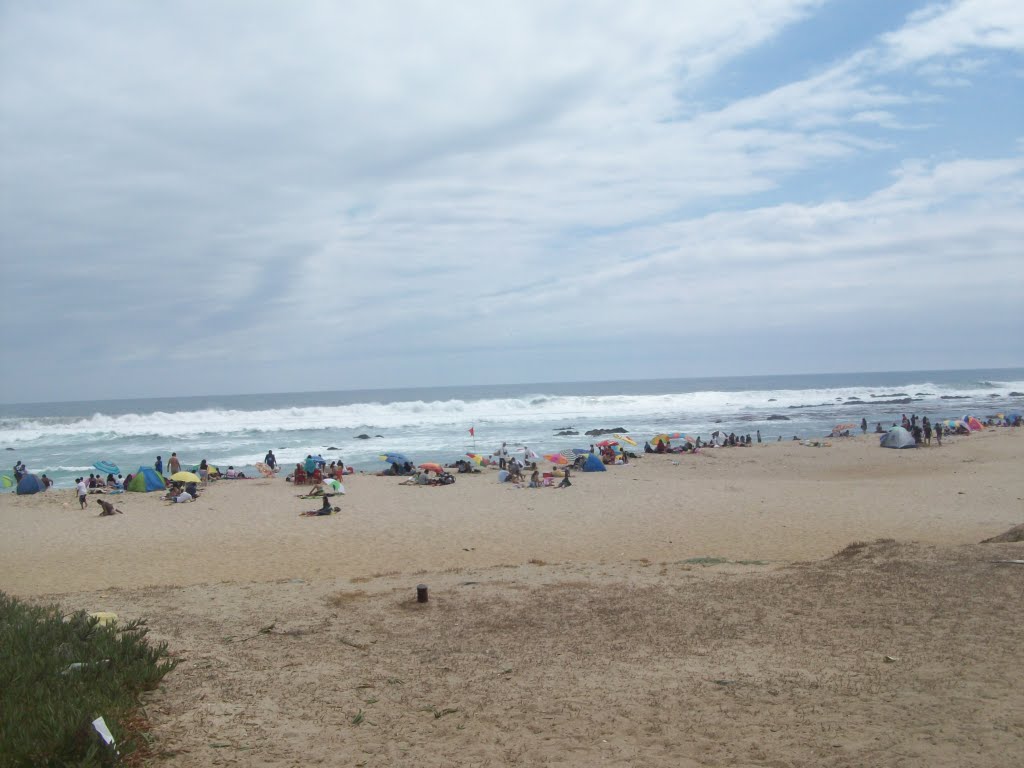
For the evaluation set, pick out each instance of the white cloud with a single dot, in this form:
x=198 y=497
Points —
x=237 y=179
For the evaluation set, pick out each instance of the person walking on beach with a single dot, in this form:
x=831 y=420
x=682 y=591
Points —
x=938 y=434
x=158 y=465
x=271 y=460
x=759 y=435
x=173 y=465
x=927 y=426
x=83 y=491
x=863 y=426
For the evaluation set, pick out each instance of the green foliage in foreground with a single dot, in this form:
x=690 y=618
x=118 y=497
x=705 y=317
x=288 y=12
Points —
x=58 y=673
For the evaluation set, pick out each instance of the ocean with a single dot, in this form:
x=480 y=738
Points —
x=63 y=440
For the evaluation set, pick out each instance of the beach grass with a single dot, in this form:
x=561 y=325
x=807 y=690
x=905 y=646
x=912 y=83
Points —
x=58 y=673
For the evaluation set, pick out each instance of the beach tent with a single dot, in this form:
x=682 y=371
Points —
x=897 y=437
x=30 y=484
x=146 y=480
x=973 y=424
x=593 y=464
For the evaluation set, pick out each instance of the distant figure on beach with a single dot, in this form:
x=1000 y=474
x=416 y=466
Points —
x=173 y=465
x=926 y=425
x=863 y=426
x=158 y=465
x=759 y=435
x=565 y=480
x=19 y=471
x=270 y=460
x=325 y=509
x=502 y=454
x=938 y=434
x=647 y=447
x=878 y=429
x=47 y=482
x=204 y=471
x=83 y=493
x=108 y=508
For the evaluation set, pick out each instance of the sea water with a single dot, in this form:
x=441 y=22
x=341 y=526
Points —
x=64 y=439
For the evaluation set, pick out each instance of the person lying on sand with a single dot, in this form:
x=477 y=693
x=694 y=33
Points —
x=325 y=509
x=108 y=508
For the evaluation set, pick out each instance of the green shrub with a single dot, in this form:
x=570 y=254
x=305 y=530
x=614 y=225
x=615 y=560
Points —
x=60 y=672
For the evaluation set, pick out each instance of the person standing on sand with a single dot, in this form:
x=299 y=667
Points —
x=863 y=426
x=173 y=465
x=938 y=434
x=927 y=426
x=759 y=435
x=270 y=460
x=158 y=465
x=83 y=493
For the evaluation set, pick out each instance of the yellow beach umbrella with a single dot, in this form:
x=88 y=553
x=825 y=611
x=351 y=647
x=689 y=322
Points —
x=625 y=439
x=186 y=477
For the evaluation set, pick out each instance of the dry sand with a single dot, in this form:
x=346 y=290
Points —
x=579 y=626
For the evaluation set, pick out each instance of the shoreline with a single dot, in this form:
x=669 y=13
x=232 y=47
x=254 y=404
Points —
x=778 y=503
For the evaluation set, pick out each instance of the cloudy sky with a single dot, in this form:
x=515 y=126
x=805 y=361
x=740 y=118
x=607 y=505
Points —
x=253 y=196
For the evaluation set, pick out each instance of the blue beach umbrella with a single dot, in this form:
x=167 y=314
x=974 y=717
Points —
x=107 y=467
x=393 y=458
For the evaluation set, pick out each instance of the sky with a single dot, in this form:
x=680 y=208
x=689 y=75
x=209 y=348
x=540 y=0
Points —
x=252 y=196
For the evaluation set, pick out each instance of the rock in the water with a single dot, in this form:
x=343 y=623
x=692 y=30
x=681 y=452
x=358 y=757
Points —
x=333 y=448
x=599 y=432
x=363 y=436
x=776 y=417
x=565 y=432
x=1012 y=394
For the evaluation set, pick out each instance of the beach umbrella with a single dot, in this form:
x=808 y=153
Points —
x=479 y=459
x=186 y=477
x=107 y=467
x=662 y=437
x=6 y=482
x=393 y=458
x=625 y=439
x=580 y=451
x=606 y=443
x=263 y=469
x=431 y=466
x=556 y=458
x=568 y=453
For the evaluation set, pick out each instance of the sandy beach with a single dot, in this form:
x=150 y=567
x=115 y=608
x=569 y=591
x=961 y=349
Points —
x=682 y=610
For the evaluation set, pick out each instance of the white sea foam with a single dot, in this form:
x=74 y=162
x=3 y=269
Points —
x=225 y=426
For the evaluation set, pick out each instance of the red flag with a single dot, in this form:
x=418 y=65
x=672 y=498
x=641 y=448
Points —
x=472 y=431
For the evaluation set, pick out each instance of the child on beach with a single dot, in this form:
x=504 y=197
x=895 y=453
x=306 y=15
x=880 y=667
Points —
x=83 y=493
x=565 y=480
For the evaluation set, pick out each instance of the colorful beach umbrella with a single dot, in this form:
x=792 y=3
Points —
x=264 y=469
x=393 y=458
x=107 y=467
x=6 y=482
x=431 y=466
x=606 y=443
x=625 y=439
x=479 y=459
x=569 y=454
x=556 y=458
x=186 y=477
x=664 y=438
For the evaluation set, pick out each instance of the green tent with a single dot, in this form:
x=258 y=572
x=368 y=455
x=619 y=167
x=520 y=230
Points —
x=146 y=480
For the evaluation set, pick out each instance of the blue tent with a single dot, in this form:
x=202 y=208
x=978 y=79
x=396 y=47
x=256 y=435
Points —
x=30 y=484
x=897 y=437
x=593 y=464
x=146 y=480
